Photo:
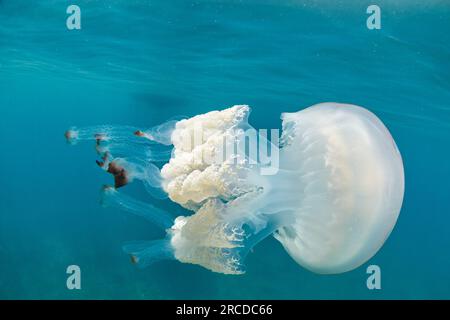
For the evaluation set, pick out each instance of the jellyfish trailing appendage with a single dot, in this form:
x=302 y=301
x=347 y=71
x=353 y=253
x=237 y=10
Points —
x=330 y=191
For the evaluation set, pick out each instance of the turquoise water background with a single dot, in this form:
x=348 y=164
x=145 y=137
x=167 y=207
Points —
x=142 y=62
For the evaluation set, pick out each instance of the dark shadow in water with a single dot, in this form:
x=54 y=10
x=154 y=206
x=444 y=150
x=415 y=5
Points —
x=160 y=100
x=161 y=106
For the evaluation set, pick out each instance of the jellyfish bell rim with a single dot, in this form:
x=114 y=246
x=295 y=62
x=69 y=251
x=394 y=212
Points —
x=374 y=227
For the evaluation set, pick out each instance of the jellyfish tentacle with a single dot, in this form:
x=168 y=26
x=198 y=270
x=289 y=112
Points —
x=161 y=133
x=101 y=133
x=257 y=235
x=145 y=253
x=148 y=152
x=153 y=182
x=157 y=216
x=147 y=172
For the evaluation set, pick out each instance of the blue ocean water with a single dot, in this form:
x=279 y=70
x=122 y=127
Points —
x=140 y=62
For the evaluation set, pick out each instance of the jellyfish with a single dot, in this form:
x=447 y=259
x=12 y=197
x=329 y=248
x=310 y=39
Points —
x=332 y=200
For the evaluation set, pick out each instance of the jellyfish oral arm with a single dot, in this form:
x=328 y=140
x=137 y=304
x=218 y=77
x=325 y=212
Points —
x=113 y=198
x=145 y=253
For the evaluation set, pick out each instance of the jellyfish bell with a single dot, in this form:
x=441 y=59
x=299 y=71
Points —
x=332 y=202
x=350 y=188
